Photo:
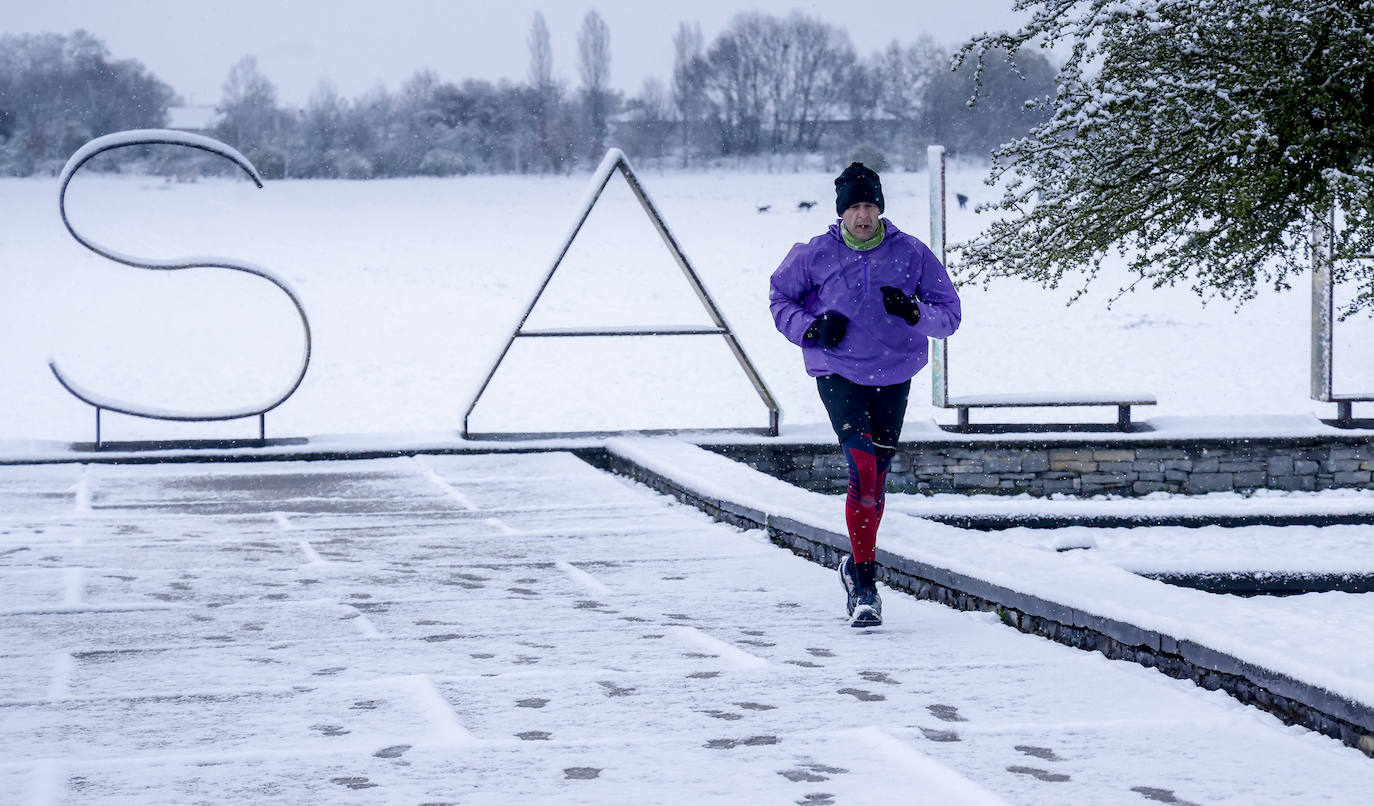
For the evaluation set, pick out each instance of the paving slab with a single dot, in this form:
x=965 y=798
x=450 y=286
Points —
x=38 y=489
x=525 y=628
x=843 y=767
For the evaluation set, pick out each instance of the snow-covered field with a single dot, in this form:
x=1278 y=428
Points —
x=413 y=286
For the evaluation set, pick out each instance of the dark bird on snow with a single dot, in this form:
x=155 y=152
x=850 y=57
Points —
x=763 y=208
x=805 y=205
x=963 y=200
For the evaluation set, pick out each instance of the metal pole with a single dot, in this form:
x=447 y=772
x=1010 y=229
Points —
x=1323 y=292
x=939 y=350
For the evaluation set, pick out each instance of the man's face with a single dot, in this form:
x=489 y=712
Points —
x=861 y=219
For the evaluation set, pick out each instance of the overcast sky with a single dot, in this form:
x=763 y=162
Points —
x=358 y=44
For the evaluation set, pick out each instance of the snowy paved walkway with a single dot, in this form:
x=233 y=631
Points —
x=524 y=628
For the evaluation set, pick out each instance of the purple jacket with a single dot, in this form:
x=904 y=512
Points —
x=878 y=348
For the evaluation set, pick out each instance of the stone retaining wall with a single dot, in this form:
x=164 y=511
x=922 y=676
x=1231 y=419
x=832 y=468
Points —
x=1294 y=701
x=1014 y=466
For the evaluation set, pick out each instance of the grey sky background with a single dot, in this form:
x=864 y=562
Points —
x=359 y=44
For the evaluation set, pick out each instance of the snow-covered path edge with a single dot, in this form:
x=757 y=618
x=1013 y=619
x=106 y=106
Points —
x=1308 y=677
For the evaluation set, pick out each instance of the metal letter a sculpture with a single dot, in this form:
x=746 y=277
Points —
x=615 y=159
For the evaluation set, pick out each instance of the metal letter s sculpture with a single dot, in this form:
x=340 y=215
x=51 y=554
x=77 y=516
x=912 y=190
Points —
x=140 y=137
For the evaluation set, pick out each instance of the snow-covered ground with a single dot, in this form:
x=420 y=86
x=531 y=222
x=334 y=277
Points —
x=1324 y=640
x=413 y=287
x=526 y=629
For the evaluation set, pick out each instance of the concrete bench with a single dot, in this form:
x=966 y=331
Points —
x=939 y=348
x=1324 y=323
x=1345 y=406
x=1123 y=403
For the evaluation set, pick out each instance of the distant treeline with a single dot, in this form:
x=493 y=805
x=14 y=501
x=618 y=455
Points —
x=765 y=86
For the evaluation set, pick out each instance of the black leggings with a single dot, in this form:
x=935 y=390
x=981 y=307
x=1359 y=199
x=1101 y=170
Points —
x=854 y=409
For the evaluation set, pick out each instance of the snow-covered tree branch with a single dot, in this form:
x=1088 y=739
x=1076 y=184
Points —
x=1197 y=138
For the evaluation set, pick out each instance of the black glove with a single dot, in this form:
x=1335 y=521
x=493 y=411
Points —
x=828 y=328
x=897 y=303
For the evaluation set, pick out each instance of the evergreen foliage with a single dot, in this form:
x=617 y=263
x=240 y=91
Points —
x=1198 y=138
x=57 y=92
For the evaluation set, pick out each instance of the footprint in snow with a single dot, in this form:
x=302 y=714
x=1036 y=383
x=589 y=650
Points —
x=1038 y=774
x=756 y=706
x=940 y=735
x=1161 y=795
x=612 y=690
x=730 y=744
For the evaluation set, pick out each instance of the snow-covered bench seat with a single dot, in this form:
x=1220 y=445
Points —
x=1123 y=403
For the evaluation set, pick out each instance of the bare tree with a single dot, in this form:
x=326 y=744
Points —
x=778 y=77
x=889 y=102
x=323 y=119
x=818 y=58
x=689 y=82
x=908 y=72
x=772 y=81
x=739 y=67
x=541 y=52
x=649 y=126
x=251 y=120
x=337 y=138
x=594 y=63
x=249 y=100
x=545 y=94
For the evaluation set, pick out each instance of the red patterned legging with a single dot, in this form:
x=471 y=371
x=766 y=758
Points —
x=868 y=422
x=863 y=507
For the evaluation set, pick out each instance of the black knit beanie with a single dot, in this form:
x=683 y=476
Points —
x=857 y=184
